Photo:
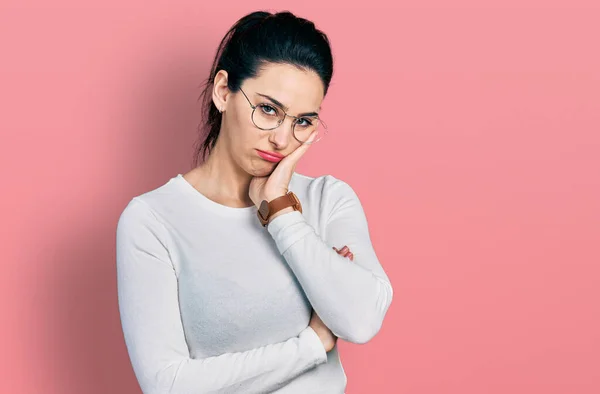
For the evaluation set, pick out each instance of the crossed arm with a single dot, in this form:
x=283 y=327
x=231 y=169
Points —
x=350 y=298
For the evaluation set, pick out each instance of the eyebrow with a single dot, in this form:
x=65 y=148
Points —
x=279 y=104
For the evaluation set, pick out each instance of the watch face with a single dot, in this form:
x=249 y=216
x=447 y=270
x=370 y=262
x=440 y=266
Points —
x=264 y=209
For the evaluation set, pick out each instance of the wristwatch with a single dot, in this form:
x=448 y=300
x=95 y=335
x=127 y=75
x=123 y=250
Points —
x=269 y=208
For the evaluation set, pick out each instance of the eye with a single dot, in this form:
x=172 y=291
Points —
x=268 y=109
x=304 y=122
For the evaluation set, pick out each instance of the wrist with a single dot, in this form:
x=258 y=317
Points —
x=278 y=213
x=268 y=197
x=271 y=196
x=275 y=204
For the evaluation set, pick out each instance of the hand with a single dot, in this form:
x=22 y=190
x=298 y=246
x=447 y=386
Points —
x=276 y=184
x=324 y=333
x=345 y=251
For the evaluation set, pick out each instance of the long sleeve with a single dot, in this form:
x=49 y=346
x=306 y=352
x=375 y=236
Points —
x=153 y=331
x=351 y=297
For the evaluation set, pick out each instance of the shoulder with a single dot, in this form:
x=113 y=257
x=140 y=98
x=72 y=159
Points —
x=164 y=194
x=144 y=212
x=140 y=228
x=326 y=182
x=148 y=207
x=329 y=188
x=137 y=214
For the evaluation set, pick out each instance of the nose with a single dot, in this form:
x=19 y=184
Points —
x=282 y=134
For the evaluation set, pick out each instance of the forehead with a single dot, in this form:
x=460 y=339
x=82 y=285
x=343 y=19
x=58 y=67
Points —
x=298 y=89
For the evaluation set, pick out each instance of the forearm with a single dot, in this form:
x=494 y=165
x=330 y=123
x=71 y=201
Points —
x=259 y=370
x=350 y=298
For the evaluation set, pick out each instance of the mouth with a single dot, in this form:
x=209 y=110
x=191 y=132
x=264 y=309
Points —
x=273 y=158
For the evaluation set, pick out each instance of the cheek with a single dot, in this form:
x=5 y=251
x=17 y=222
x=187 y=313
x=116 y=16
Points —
x=238 y=133
x=244 y=142
x=246 y=139
x=244 y=131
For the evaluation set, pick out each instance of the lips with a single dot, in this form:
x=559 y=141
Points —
x=272 y=157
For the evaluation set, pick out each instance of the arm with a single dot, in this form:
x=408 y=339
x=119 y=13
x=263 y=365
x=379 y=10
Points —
x=151 y=320
x=351 y=298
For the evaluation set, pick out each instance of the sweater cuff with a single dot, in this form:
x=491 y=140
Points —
x=288 y=228
x=314 y=346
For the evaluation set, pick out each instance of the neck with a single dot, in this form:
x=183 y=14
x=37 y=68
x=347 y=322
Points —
x=223 y=179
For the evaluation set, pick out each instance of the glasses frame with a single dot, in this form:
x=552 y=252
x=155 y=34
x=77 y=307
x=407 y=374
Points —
x=281 y=121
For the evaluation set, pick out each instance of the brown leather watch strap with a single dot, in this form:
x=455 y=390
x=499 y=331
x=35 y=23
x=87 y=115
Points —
x=268 y=209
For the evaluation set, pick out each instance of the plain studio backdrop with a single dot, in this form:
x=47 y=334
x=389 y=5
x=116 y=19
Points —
x=470 y=131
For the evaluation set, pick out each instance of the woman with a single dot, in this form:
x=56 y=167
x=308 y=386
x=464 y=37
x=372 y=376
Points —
x=232 y=278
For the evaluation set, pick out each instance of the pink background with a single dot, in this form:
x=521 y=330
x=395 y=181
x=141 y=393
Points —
x=470 y=131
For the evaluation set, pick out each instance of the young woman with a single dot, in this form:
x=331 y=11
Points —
x=239 y=276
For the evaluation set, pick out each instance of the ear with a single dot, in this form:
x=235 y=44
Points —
x=220 y=90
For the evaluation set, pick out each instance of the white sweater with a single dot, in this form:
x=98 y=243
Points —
x=212 y=302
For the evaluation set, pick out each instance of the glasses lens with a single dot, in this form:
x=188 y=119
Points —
x=304 y=127
x=267 y=117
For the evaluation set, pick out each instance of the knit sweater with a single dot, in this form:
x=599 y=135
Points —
x=213 y=302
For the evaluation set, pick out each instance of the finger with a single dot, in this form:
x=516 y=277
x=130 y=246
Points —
x=293 y=158
x=342 y=251
x=311 y=138
x=347 y=252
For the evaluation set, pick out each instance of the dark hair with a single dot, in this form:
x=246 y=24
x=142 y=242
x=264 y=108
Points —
x=256 y=39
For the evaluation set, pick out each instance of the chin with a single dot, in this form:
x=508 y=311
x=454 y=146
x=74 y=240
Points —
x=265 y=169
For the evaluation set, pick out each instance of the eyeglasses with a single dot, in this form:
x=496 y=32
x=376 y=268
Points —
x=268 y=116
